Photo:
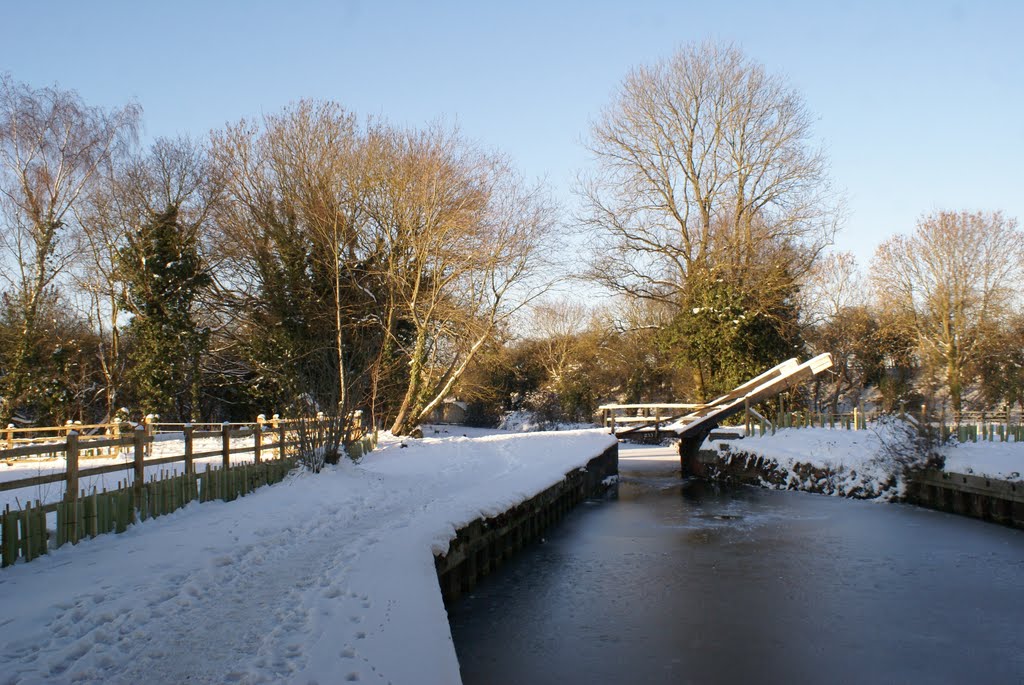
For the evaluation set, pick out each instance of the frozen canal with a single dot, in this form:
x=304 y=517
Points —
x=674 y=583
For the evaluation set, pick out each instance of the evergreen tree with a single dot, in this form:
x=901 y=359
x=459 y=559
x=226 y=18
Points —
x=163 y=275
x=727 y=333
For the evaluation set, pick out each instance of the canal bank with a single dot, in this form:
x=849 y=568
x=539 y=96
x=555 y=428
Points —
x=990 y=499
x=484 y=544
x=326 y=577
x=675 y=582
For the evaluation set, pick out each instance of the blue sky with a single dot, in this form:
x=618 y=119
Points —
x=919 y=104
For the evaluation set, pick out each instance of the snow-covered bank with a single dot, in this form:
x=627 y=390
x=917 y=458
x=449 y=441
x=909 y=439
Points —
x=1002 y=460
x=323 y=578
x=861 y=463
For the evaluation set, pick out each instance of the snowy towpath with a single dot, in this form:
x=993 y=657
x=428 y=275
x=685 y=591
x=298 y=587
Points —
x=326 y=578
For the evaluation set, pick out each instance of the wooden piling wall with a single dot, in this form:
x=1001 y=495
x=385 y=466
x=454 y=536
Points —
x=979 y=497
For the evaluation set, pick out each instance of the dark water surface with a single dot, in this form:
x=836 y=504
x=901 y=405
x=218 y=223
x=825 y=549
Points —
x=676 y=582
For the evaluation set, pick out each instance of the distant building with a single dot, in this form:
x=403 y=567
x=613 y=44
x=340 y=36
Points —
x=452 y=410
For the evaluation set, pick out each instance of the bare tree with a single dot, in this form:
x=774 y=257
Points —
x=406 y=249
x=835 y=319
x=315 y=154
x=558 y=325
x=833 y=284
x=957 y=276
x=704 y=163
x=104 y=225
x=462 y=237
x=293 y=238
x=51 y=146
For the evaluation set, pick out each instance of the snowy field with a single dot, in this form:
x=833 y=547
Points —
x=321 y=579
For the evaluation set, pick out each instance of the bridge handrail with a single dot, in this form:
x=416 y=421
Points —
x=772 y=386
x=704 y=416
x=654 y=405
x=651 y=420
x=771 y=375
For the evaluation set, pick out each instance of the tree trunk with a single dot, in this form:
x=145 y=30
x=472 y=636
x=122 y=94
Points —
x=403 y=423
x=342 y=395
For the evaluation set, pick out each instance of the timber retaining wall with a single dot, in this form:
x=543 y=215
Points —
x=480 y=547
x=983 y=498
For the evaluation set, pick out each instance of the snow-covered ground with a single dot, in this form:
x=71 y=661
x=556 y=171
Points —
x=320 y=579
x=863 y=459
x=1002 y=460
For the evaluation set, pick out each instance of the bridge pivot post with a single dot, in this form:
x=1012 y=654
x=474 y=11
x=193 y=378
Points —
x=689 y=454
x=746 y=417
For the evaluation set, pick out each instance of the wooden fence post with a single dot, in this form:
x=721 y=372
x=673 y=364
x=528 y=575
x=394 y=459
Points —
x=115 y=432
x=279 y=427
x=257 y=438
x=190 y=467
x=148 y=421
x=10 y=436
x=139 y=447
x=71 y=475
x=71 y=487
x=657 y=424
x=225 y=439
x=746 y=417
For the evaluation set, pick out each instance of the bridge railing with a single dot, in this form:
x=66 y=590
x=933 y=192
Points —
x=648 y=417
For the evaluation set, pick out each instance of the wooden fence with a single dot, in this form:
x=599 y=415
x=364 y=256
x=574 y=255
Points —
x=80 y=513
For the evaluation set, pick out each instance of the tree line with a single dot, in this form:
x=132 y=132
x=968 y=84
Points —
x=302 y=261
x=308 y=260
x=712 y=211
x=936 y=318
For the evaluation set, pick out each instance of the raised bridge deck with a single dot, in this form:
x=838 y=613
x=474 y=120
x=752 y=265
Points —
x=692 y=423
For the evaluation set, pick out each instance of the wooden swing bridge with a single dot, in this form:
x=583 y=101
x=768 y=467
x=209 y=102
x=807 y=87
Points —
x=692 y=423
